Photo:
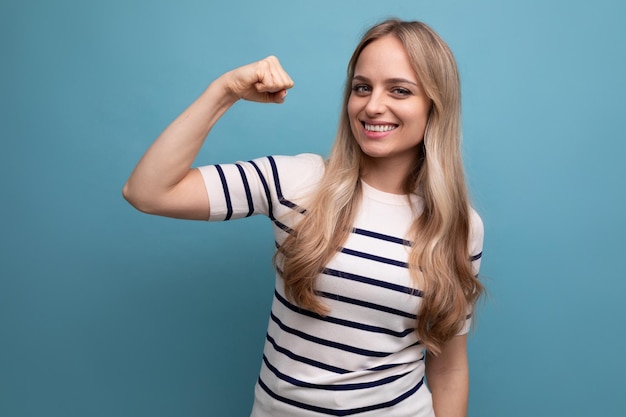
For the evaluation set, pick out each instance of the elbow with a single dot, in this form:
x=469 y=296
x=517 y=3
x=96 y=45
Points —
x=126 y=193
x=145 y=200
x=134 y=199
x=129 y=196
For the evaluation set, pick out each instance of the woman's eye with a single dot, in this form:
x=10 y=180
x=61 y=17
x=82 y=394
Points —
x=401 y=91
x=360 y=89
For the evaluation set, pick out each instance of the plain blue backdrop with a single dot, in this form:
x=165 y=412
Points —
x=105 y=311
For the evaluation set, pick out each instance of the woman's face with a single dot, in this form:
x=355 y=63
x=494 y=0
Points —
x=387 y=108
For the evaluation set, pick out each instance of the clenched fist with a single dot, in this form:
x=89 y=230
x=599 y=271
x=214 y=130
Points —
x=264 y=81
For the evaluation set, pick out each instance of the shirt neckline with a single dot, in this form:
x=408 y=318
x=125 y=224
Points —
x=383 y=196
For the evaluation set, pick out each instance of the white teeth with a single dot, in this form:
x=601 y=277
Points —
x=379 y=128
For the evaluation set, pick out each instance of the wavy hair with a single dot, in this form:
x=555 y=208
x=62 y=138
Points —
x=439 y=259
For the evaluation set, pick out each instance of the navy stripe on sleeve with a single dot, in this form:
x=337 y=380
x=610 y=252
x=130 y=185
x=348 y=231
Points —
x=266 y=187
x=476 y=257
x=279 y=191
x=229 y=205
x=246 y=186
x=282 y=226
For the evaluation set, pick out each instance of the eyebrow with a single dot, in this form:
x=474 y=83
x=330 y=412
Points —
x=388 y=81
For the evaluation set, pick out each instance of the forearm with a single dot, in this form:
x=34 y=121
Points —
x=448 y=378
x=169 y=158
x=450 y=392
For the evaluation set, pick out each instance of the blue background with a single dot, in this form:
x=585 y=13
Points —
x=105 y=311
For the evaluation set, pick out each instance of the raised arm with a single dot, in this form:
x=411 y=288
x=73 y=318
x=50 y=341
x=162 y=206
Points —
x=163 y=182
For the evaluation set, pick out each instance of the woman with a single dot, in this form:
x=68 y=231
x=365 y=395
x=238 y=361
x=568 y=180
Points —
x=377 y=247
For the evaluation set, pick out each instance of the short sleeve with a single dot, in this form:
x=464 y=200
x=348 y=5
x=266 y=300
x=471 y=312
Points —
x=244 y=189
x=476 y=237
x=475 y=246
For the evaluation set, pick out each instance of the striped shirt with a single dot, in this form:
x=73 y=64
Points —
x=364 y=358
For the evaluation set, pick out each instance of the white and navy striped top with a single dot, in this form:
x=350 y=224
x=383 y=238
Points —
x=364 y=358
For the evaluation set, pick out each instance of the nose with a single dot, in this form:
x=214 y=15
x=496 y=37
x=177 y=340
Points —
x=375 y=104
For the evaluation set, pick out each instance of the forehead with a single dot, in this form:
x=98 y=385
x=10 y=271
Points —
x=385 y=58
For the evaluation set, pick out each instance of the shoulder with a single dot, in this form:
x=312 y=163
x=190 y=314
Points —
x=302 y=163
x=298 y=170
x=292 y=177
x=280 y=169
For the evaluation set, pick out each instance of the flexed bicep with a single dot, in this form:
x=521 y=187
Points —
x=163 y=182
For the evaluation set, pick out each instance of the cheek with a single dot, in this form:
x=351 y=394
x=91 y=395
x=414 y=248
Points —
x=425 y=109
x=417 y=113
x=351 y=108
x=353 y=120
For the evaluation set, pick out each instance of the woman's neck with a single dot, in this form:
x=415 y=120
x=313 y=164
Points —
x=386 y=175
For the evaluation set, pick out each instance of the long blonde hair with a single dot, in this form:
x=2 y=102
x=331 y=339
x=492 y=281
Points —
x=439 y=256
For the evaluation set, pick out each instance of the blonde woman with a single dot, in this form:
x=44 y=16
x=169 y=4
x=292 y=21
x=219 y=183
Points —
x=378 y=248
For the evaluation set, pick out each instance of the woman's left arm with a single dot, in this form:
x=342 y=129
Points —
x=448 y=378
